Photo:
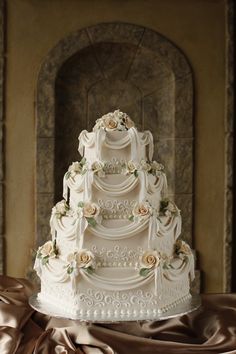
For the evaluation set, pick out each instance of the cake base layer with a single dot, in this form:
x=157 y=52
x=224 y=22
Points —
x=184 y=305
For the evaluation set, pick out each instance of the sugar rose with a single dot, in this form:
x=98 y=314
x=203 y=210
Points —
x=132 y=166
x=110 y=123
x=128 y=122
x=143 y=209
x=61 y=207
x=98 y=167
x=90 y=210
x=145 y=165
x=156 y=166
x=75 y=168
x=182 y=247
x=149 y=259
x=84 y=258
x=47 y=249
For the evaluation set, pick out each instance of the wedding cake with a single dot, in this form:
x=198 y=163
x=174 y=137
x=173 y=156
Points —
x=115 y=253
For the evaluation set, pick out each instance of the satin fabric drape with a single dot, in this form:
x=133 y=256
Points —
x=211 y=329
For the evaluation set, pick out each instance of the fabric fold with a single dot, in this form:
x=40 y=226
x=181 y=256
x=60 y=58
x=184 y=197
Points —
x=211 y=329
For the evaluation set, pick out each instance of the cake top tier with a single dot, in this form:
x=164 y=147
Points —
x=116 y=120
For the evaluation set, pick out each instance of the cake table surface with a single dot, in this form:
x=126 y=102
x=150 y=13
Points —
x=210 y=329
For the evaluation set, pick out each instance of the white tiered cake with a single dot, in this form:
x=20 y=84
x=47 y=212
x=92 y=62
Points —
x=115 y=252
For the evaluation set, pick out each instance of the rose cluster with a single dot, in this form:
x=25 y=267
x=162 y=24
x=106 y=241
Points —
x=78 y=167
x=83 y=259
x=47 y=251
x=90 y=211
x=61 y=209
x=168 y=208
x=116 y=120
x=182 y=248
x=151 y=167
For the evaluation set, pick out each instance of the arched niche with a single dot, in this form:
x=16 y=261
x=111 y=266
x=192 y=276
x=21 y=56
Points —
x=97 y=70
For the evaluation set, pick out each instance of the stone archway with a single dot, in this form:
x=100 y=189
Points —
x=101 y=68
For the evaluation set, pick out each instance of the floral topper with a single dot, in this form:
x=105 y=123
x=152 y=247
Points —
x=80 y=260
x=116 y=120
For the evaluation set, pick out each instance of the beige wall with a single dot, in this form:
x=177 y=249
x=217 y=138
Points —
x=196 y=26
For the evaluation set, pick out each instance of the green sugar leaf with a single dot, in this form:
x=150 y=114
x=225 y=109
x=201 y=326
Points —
x=45 y=260
x=92 y=222
x=83 y=172
x=144 y=272
x=81 y=204
x=89 y=270
x=83 y=161
x=67 y=175
x=70 y=270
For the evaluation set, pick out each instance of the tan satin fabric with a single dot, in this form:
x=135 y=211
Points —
x=212 y=329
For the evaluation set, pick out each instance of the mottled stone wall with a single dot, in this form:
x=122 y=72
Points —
x=102 y=68
x=1 y=136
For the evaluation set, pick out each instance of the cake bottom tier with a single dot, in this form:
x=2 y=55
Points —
x=90 y=302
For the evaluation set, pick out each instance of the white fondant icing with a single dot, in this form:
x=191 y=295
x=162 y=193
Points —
x=119 y=176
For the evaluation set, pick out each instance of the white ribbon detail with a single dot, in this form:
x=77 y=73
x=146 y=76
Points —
x=154 y=227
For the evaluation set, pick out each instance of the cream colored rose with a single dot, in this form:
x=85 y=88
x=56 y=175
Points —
x=128 y=122
x=90 y=210
x=142 y=209
x=171 y=209
x=110 y=123
x=145 y=165
x=149 y=259
x=47 y=249
x=85 y=259
x=61 y=207
x=156 y=166
x=132 y=166
x=182 y=247
x=75 y=167
x=98 y=168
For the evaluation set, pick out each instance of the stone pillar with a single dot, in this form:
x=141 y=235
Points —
x=1 y=134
